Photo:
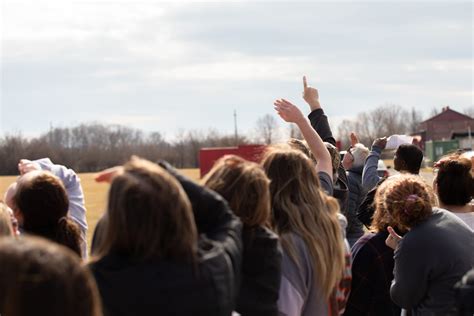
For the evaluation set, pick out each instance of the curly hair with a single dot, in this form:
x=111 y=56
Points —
x=408 y=200
x=381 y=218
x=454 y=181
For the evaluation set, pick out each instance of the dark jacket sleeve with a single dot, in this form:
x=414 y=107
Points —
x=216 y=224
x=319 y=121
x=213 y=216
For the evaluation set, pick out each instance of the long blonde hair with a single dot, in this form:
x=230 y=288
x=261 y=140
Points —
x=245 y=186
x=300 y=207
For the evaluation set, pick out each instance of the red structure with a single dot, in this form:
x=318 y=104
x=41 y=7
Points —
x=443 y=125
x=207 y=156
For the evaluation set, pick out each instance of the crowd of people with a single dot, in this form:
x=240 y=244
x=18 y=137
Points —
x=303 y=232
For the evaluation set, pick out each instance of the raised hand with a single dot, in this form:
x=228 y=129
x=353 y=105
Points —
x=354 y=139
x=380 y=142
x=288 y=111
x=25 y=166
x=108 y=175
x=310 y=95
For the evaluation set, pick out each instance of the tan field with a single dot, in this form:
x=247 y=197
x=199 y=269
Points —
x=95 y=194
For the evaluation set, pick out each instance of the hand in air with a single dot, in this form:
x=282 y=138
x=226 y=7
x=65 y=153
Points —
x=354 y=139
x=108 y=175
x=288 y=111
x=380 y=142
x=25 y=166
x=310 y=95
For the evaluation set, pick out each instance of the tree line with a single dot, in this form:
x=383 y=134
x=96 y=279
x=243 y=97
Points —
x=94 y=146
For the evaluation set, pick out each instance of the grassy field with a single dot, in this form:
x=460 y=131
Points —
x=95 y=195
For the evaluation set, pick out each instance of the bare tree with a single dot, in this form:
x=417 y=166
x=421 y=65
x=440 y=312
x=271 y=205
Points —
x=267 y=129
x=382 y=121
x=294 y=131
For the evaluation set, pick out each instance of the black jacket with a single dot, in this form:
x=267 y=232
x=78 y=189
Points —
x=170 y=288
x=261 y=272
x=319 y=122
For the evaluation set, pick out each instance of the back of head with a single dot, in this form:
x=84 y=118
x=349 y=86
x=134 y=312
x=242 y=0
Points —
x=381 y=218
x=42 y=278
x=454 y=181
x=302 y=146
x=6 y=228
x=42 y=201
x=301 y=208
x=245 y=187
x=360 y=153
x=149 y=216
x=408 y=200
x=408 y=158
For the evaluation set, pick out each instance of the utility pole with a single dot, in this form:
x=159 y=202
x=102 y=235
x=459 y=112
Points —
x=236 y=135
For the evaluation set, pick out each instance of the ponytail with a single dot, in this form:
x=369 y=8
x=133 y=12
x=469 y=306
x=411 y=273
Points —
x=69 y=235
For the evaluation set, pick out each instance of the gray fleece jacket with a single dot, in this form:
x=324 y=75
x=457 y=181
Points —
x=429 y=260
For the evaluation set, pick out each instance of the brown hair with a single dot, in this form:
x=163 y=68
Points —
x=6 y=228
x=408 y=200
x=454 y=182
x=39 y=277
x=244 y=185
x=149 y=216
x=43 y=203
x=300 y=207
x=382 y=219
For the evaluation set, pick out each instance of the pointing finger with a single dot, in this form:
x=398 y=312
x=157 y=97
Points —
x=305 y=83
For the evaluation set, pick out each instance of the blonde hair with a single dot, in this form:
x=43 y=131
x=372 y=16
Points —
x=149 y=216
x=6 y=228
x=301 y=208
x=408 y=200
x=245 y=187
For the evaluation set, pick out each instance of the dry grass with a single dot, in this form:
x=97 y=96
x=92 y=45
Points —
x=95 y=195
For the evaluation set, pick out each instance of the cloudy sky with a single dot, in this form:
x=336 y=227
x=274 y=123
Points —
x=168 y=66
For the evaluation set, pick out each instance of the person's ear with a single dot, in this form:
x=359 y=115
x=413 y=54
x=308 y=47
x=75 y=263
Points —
x=18 y=214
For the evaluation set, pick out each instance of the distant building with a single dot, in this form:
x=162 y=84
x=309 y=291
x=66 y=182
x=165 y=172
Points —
x=448 y=124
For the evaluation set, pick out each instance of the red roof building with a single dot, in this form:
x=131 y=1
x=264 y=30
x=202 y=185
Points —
x=444 y=125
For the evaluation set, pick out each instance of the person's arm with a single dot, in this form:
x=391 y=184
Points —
x=370 y=178
x=317 y=118
x=290 y=113
x=72 y=183
x=410 y=272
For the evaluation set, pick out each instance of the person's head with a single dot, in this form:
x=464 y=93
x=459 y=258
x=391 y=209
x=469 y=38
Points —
x=301 y=208
x=335 y=159
x=302 y=145
x=408 y=200
x=39 y=277
x=41 y=206
x=149 y=216
x=6 y=216
x=244 y=185
x=408 y=158
x=381 y=218
x=454 y=183
x=469 y=155
x=355 y=156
